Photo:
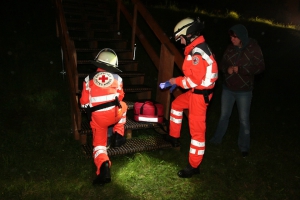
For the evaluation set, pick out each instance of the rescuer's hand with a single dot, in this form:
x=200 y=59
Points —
x=165 y=85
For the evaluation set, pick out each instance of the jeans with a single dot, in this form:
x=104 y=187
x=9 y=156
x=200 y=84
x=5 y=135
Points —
x=243 y=102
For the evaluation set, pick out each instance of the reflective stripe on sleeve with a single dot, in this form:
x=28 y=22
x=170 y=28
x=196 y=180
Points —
x=191 y=83
x=184 y=83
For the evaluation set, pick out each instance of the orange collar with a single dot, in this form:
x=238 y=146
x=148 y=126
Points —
x=191 y=46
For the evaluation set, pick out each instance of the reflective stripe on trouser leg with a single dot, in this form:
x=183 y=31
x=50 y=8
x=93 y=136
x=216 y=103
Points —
x=99 y=150
x=197 y=125
x=100 y=156
x=176 y=114
x=99 y=124
x=175 y=123
x=196 y=153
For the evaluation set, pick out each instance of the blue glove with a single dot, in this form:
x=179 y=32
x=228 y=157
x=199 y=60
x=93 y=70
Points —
x=165 y=85
x=172 y=88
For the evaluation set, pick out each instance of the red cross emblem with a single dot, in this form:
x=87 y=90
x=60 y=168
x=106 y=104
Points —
x=103 y=78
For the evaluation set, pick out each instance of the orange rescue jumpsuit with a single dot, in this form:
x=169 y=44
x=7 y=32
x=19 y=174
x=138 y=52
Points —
x=200 y=73
x=98 y=88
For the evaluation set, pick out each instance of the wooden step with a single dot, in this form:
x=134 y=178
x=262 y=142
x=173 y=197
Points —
x=111 y=33
x=86 y=53
x=89 y=4
x=126 y=74
x=124 y=64
x=86 y=42
x=77 y=10
x=85 y=29
x=104 y=23
x=129 y=77
x=91 y=24
x=93 y=18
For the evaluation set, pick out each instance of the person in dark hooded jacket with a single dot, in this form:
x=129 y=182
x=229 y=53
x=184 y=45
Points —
x=242 y=60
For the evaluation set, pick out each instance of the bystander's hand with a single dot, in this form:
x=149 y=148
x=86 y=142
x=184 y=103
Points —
x=235 y=69
x=230 y=70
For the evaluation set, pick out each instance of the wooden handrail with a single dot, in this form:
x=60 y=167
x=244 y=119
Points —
x=161 y=36
x=168 y=49
x=148 y=47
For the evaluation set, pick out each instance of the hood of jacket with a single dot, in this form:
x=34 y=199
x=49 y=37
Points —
x=242 y=33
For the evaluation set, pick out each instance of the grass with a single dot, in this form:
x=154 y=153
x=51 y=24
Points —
x=41 y=160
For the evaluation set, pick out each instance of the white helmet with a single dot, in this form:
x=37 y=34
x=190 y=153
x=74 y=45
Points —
x=107 y=59
x=187 y=26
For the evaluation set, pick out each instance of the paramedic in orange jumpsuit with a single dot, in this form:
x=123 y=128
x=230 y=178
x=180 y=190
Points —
x=200 y=73
x=103 y=93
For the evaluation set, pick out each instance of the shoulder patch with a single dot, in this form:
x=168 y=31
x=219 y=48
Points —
x=103 y=79
x=195 y=60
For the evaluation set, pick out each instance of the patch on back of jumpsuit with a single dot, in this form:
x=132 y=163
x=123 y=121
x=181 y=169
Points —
x=195 y=60
x=103 y=79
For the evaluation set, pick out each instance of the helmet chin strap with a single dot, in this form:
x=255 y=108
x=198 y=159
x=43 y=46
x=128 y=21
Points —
x=188 y=40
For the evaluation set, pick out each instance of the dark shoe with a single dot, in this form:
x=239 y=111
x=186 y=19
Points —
x=104 y=176
x=119 y=140
x=188 y=172
x=245 y=154
x=174 y=141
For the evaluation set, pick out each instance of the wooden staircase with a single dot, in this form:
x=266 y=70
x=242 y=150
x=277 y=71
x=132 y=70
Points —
x=85 y=27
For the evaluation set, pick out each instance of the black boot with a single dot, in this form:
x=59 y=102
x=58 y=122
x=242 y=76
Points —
x=188 y=172
x=119 y=140
x=174 y=141
x=104 y=176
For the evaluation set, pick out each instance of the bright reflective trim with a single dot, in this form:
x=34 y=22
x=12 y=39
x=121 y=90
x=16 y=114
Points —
x=184 y=83
x=192 y=151
x=191 y=83
x=177 y=113
x=104 y=98
x=122 y=121
x=203 y=54
x=99 y=148
x=148 y=119
x=200 y=152
x=197 y=143
x=176 y=121
x=99 y=152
